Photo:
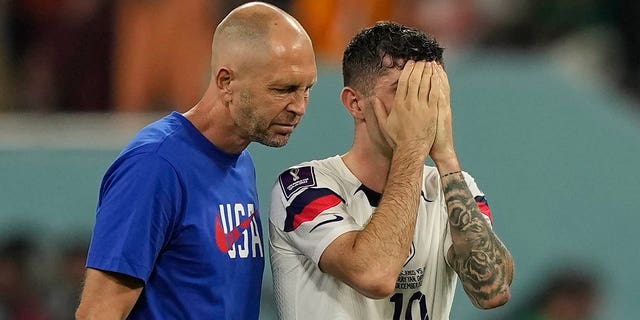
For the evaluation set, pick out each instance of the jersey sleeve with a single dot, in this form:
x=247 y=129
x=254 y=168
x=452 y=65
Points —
x=479 y=196
x=139 y=200
x=308 y=210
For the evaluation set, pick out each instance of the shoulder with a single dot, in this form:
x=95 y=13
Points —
x=141 y=161
x=143 y=169
x=173 y=136
x=155 y=133
x=245 y=162
x=323 y=173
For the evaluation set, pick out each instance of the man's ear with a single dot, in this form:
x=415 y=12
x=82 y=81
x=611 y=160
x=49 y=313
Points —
x=353 y=101
x=223 y=79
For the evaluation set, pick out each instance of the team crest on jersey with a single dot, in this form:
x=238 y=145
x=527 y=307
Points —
x=295 y=179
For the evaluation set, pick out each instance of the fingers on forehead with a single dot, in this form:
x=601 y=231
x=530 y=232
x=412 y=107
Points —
x=425 y=83
x=406 y=70
x=421 y=72
x=401 y=90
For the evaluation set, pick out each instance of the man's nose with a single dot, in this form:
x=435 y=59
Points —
x=298 y=103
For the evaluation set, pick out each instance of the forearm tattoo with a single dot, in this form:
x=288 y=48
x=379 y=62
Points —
x=481 y=260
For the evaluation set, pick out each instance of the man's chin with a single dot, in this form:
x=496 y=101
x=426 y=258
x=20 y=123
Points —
x=275 y=142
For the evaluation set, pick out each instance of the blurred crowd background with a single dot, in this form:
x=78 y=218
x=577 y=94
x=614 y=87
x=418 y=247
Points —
x=100 y=55
x=113 y=57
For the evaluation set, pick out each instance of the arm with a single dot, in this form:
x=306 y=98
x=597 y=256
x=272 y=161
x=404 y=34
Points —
x=483 y=263
x=108 y=295
x=370 y=260
x=480 y=259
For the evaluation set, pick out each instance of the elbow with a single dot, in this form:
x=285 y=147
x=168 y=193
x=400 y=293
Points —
x=495 y=301
x=376 y=285
x=86 y=311
x=81 y=313
x=380 y=290
x=501 y=292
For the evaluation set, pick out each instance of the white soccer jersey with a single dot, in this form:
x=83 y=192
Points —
x=314 y=203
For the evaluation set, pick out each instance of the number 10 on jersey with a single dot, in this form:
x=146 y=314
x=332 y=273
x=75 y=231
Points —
x=398 y=301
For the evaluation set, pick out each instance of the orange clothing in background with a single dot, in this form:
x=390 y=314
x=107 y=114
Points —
x=162 y=53
x=332 y=23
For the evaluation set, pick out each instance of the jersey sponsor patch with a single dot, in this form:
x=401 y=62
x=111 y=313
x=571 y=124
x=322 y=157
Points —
x=308 y=205
x=484 y=206
x=295 y=179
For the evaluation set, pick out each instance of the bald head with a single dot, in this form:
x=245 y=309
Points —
x=262 y=69
x=253 y=29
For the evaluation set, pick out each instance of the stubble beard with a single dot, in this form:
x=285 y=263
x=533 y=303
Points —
x=256 y=129
x=263 y=136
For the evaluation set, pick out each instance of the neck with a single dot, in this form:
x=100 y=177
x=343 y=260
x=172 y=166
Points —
x=368 y=164
x=212 y=118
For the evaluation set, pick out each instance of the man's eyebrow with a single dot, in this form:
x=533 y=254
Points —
x=285 y=83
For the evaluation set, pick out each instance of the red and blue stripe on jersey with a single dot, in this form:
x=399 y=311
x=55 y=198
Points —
x=308 y=205
x=484 y=207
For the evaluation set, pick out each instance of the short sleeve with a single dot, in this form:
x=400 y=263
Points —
x=139 y=202
x=479 y=197
x=309 y=217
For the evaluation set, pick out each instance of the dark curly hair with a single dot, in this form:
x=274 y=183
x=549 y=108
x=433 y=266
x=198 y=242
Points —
x=363 y=61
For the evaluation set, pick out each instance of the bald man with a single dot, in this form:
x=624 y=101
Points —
x=177 y=232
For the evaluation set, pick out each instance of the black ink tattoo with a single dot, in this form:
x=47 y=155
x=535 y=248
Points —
x=483 y=263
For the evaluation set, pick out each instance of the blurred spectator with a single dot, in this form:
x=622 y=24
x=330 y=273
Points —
x=568 y=294
x=228 y=5
x=6 y=94
x=161 y=58
x=331 y=23
x=627 y=24
x=539 y=23
x=101 y=55
x=64 y=295
x=19 y=297
x=592 y=39
x=61 y=52
x=456 y=24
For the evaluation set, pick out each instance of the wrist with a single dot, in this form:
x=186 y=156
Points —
x=447 y=164
x=416 y=148
x=450 y=174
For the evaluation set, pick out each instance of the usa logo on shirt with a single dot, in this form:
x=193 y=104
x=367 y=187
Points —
x=237 y=232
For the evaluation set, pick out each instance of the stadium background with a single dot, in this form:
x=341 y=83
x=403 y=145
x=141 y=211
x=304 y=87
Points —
x=549 y=127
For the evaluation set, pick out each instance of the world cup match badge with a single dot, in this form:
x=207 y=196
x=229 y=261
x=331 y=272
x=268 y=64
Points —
x=295 y=179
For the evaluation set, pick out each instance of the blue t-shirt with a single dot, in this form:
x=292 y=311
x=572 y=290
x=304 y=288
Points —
x=182 y=215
